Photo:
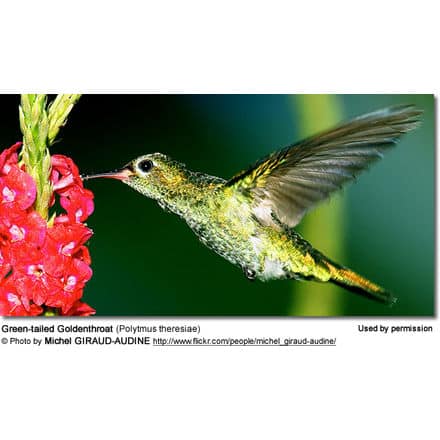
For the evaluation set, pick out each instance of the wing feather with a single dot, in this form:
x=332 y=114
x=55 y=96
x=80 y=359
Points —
x=289 y=182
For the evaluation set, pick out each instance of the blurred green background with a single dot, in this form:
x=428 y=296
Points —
x=148 y=262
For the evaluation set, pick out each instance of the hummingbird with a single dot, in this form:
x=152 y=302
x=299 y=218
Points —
x=249 y=219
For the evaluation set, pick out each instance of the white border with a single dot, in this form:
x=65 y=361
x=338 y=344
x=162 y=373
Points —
x=368 y=386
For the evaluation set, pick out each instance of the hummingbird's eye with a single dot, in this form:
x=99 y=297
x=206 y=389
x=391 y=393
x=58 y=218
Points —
x=145 y=165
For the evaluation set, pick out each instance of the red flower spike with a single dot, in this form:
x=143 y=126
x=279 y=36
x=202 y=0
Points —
x=42 y=266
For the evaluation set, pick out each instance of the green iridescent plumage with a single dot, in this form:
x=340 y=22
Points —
x=249 y=219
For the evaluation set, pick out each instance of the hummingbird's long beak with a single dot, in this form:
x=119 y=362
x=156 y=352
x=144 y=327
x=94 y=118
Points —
x=122 y=174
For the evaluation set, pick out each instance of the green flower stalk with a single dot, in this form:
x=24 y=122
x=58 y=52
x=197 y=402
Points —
x=59 y=109
x=40 y=126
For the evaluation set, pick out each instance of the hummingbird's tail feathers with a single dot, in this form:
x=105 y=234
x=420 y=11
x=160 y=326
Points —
x=354 y=282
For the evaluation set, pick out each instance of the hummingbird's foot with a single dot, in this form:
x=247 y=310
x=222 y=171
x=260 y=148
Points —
x=249 y=273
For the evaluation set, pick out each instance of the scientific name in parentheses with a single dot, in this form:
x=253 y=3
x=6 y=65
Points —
x=61 y=328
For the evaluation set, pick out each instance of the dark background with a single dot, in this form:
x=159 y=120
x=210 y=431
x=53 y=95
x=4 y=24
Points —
x=147 y=262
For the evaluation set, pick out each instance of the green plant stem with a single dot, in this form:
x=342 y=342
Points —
x=40 y=126
x=34 y=125
x=59 y=109
x=324 y=226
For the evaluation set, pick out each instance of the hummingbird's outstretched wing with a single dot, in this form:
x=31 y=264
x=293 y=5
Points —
x=289 y=182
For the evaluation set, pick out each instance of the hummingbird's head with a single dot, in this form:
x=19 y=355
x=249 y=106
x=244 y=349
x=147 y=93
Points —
x=153 y=175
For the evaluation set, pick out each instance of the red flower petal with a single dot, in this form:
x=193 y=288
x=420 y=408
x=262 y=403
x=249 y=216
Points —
x=67 y=239
x=9 y=157
x=78 y=203
x=5 y=266
x=83 y=255
x=17 y=188
x=22 y=226
x=12 y=304
x=64 y=172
